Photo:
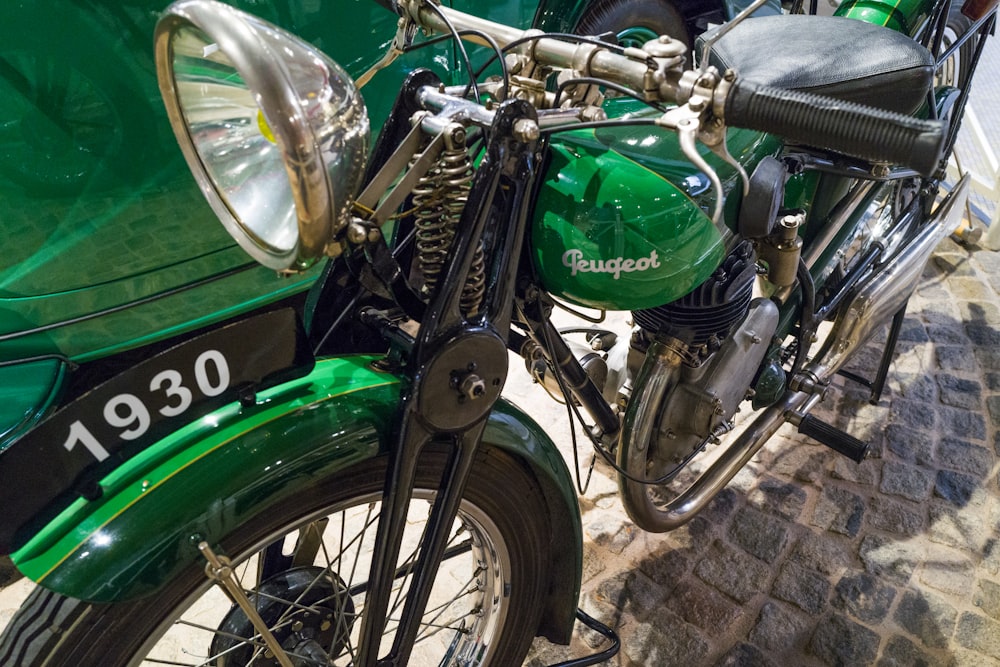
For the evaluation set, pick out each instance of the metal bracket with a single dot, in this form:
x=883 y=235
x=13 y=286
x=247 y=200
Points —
x=601 y=656
x=406 y=30
x=456 y=371
x=219 y=569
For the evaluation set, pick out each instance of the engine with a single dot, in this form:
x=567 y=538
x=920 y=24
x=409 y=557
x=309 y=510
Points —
x=719 y=335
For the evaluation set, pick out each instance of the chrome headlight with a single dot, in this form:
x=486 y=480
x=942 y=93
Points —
x=275 y=132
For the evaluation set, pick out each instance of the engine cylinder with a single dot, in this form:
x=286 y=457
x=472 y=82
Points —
x=710 y=311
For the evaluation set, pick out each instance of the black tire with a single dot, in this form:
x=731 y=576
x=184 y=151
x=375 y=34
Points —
x=957 y=70
x=501 y=515
x=633 y=21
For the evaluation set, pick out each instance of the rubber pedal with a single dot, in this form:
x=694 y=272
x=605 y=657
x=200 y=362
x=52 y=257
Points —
x=836 y=439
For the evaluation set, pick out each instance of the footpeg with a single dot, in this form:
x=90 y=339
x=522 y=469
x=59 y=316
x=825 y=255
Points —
x=834 y=438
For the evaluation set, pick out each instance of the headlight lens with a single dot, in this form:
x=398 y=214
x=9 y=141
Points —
x=275 y=132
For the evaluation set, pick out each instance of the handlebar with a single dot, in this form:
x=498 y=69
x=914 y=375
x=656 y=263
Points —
x=844 y=127
x=815 y=120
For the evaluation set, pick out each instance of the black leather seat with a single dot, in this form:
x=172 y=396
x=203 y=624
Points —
x=839 y=57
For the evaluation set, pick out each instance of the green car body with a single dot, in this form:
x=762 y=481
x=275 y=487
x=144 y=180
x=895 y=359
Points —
x=107 y=242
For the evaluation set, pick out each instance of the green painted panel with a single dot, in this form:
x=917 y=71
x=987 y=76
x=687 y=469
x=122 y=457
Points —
x=97 y=208
x=623 y=219
x=905 y=16
x=611 y=234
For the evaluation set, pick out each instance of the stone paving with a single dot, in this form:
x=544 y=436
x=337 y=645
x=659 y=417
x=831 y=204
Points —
x=810 y=559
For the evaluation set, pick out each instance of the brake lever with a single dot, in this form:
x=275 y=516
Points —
x=713 y=135
x=685 y=120
x=406 y=30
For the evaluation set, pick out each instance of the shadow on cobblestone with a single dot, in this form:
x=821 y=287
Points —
x=811 y=559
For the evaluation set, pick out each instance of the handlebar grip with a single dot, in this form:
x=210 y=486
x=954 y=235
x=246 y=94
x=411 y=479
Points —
x=844 y=127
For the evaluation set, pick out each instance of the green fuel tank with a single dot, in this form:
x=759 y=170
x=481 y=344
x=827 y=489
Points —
x=623 y=219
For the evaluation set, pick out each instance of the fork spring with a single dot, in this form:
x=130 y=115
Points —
x=438 y=200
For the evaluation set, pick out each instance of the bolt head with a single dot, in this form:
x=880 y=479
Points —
x=356 y=233
x=526 y=130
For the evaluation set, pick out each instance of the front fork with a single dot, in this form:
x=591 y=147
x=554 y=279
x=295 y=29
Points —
x=456 y=371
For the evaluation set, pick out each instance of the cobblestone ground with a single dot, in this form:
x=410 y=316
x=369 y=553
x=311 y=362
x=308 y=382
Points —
x=810 y=559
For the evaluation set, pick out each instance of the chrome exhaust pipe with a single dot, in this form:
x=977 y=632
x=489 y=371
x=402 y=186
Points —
x=736 y=454
x=886 y=292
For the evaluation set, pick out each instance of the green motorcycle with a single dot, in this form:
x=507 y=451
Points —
x=348 y=486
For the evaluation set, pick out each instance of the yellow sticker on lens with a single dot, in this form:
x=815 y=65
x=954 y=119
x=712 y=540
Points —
x=264 y=128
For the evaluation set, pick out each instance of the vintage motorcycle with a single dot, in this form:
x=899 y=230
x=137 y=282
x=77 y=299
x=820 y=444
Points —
x=350 y=488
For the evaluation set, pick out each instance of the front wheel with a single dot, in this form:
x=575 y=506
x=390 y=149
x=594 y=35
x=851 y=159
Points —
x=305 y=565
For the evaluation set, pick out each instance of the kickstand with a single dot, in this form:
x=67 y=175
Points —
x=602 y=630
x=878 y=384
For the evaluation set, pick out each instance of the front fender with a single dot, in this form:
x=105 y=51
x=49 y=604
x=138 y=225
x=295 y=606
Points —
x=205 y=479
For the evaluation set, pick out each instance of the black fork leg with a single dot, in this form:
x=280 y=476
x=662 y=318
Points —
x=456 y=369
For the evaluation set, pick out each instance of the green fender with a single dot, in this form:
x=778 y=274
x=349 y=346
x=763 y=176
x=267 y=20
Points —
x=212 y=475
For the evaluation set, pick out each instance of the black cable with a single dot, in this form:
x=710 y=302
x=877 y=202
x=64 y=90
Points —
x=504 y=73
x=461 y=48
x=617 y=122
x=595 y=443
x=807 y=324
x=606 y=84
x=499 y=52
x=580 y=39
x=570 y=410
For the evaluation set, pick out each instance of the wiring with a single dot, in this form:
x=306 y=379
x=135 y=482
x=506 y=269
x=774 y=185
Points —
x=461 y=49
x=624 y=90
x=618 y=122
x=580 y=39
x=498 y=57
x=504 y=72
x=571 y=410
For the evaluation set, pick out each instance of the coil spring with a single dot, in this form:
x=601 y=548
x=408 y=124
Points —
x=438 y=201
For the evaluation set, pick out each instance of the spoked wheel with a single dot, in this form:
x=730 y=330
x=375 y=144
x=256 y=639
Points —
x=304 y=566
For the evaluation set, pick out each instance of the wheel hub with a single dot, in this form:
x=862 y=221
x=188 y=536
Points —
x=309 y=610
